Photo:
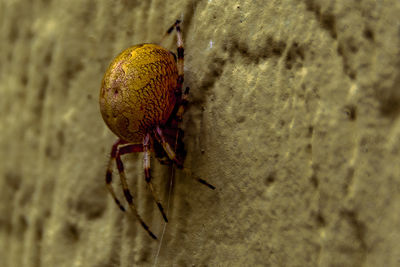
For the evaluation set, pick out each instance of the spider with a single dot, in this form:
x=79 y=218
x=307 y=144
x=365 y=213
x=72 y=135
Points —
x=141 y=101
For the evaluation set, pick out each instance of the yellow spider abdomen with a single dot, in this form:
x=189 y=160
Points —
x=138 y=91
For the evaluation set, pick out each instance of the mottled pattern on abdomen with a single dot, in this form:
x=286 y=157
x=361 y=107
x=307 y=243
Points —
x=138 y=91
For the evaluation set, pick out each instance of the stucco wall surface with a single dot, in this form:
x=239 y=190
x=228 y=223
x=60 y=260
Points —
x=294 y=117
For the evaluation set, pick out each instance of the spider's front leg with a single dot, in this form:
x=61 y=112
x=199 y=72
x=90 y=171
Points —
x=179 y=50
x=183 y=100
x=182 y=105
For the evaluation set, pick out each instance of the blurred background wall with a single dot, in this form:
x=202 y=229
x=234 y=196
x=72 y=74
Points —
x=294 y=117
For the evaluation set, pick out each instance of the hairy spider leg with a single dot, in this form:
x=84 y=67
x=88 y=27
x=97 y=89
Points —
x=183 y=100
x=113 y=154
x=180 y=52
x=132 y=148
x=146 y=165
x=178 y=92
x=183 y=104
x=128 y=196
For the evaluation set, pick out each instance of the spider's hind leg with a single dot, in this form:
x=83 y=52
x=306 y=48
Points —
x=146 y=165
x=127 y=193
x=113 y=155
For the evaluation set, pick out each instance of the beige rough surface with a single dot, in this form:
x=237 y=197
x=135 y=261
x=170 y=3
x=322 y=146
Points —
x=294 y=117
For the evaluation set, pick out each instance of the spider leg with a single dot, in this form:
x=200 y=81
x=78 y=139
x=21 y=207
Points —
x=146 y=165
x=170 y=29
x=127 y=193
x=183 y=104
x=167 y=148
x=180 y=52
x=109 y=174
x=202 y=181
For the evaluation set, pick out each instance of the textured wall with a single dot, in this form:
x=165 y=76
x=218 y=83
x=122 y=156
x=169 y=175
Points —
x=294 y=117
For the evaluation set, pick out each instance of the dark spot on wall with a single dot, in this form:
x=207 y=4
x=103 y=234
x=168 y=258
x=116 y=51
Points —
x=369 y=34
x=145 y=257
x=351 y=112
x=113 y=261
x=24 y=79
x=270 y=179
x=308 y=148
x=314 y=181
x=38 y=236
x=343 y=52
x=275 y=46
x=390 y=107
x=389 y=96
x=129 y=4
x=240 y=47
x=312 y=6
x=42 y=89
x=71 y=232
x=214 y=71
x=39 y=230
x=14 y=33
x=9 y=56
x=294 y=56
x=41 y=94
x=326 y=19
x=352 y=74
x=358 y=227
x=48 y=57
x=71 y=69
x=60 y=137
x=21 y=226
x=267 y=48
x=240 y=119
x=348 y=180
x=351 y=44
x=340 y=50
x=364 y=143
x=12 y=180
x=328 y=22
x=320 y=220
x=87 y=14
x=48 y=150
x=310 y=131
x=26 y=196
x=6 y=226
